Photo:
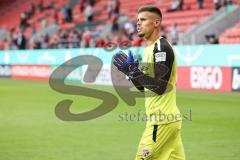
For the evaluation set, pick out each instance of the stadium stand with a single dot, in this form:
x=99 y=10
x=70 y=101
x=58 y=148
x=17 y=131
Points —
x=231 y=35
x=185 y=18
x=21 y=18
x=10 y=12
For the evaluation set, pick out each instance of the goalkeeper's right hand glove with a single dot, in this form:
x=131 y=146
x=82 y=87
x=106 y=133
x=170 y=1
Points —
x=126 y=64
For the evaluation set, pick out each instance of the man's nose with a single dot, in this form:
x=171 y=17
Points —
x=138 y=23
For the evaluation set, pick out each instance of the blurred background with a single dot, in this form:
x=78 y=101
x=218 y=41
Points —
x=37 y=36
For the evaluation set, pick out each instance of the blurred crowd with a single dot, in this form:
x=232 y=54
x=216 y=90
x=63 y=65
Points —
x=68 y=39
x=73 y=38
x=84 y=38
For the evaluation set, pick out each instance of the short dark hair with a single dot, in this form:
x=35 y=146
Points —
x=151 y=9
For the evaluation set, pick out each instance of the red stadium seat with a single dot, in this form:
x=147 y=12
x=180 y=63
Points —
x=231 y=35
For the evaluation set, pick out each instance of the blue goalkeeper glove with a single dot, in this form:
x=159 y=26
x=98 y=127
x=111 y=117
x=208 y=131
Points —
x=125 y=63
x=133 y=63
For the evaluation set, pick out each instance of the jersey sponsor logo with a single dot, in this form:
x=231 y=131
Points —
x=160 y=56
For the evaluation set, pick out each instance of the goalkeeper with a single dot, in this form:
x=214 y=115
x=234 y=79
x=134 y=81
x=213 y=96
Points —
x=161 y=139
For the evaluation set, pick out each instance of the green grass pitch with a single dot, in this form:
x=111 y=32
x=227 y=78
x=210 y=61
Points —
x=29 y=129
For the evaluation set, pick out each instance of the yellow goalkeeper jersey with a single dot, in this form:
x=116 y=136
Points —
x=161 y=109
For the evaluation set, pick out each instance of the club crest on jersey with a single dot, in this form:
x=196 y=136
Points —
x=160 y=56
x=145 y=152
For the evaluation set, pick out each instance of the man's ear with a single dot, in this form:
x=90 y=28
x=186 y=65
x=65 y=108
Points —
x=157 y=23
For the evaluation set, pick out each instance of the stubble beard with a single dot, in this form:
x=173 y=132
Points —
x=141 y=35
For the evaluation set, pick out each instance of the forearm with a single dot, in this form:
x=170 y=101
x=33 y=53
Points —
x=156 y=85
x=138 y=85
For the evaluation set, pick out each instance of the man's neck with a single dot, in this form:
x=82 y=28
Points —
x=153 y=38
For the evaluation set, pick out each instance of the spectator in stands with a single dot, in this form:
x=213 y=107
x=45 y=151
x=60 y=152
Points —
x=92 y=2
x=114 y=22
x=200 y=4
x=86 y=38
x=56 y=16
x=174 y=34
x=100 y=41
x=32 y=11
x=44 y=40
x=44 y=23
x=11 y=32
x=79 y=34
x=212 y=39
x=88 y=12
x=73 y=39
x=63 y=40
x=129 y=30
x=68 y=14
x=176 y=5
x=37 y=44
x=181 y=4
x=7 y=45
x=64 y=13
x=21 y=40
x=110 y=8
x=92 y=43
x=31 y=44
x=40 y=6
x=227 y=2
x=10 y=41
x=116 y=7
x=217 y=4
x=113 y=7
x=2 y=44
x=50 y=5
x=33 y=32
x=82 y=4
x=23 y=21
x=70 y=40
x=55 y=40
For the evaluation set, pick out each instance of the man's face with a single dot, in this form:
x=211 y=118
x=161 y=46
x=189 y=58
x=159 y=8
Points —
x=146 y=23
